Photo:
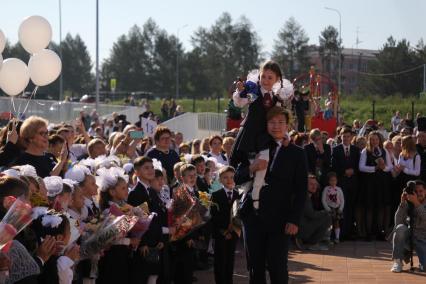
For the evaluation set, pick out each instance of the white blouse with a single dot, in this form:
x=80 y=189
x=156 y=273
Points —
x=411 y=166
x=372 y=169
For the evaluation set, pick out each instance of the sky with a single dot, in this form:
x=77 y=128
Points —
x=375 y=20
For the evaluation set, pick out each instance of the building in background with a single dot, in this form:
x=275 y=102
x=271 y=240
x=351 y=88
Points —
x=354 y=61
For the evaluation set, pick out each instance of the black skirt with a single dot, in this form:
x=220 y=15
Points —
x=114 y=265
x=375 y=190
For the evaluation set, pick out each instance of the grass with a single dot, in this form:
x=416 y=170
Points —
x=352 y=107
x=361 y=108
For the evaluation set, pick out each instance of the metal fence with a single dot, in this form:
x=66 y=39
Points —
x=192 y=125
x=56 y=112
x=197 y=125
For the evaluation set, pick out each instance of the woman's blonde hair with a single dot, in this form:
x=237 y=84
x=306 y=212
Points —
x=30 y=126
x=370 y=135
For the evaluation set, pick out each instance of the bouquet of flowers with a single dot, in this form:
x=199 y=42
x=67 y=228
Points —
x=111 y=229
x=187 y=213
x=141 y=212
x=16 y=219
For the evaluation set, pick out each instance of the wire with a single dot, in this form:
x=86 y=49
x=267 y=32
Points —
x=388 y=74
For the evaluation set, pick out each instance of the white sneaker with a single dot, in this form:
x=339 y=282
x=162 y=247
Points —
x=397 y=266
x=421 y=268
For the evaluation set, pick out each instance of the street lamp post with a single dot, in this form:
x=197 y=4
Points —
x=177 y=60
x=340 y=50
x=97 y=54
x=61 y=86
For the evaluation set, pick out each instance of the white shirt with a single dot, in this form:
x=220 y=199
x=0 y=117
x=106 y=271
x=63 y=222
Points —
x=346 y=149
x=75 y=215
x=64 y=265
x=242 y=102
x=219 y=158
x=396 y=120
x=332 y=197
x=227 y=191
x=411 y=166
x=372 y=169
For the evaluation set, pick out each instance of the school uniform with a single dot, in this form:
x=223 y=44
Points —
x=202 y=184
x=139 y=271
x=224 y=250
x=114 y=265
x=281 y=201
x=252 y=136
x=182 y=256
x=346 y=157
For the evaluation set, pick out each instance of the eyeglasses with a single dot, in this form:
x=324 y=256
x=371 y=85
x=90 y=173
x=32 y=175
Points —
x=43 y=133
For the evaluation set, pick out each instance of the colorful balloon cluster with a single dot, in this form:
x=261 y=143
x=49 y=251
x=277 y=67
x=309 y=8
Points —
x=44 y=65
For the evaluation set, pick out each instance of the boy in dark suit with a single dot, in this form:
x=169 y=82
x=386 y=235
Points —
x=200 y=166
x=144 y=170
x=182 y=251
x=225 y=237
x=345 y=162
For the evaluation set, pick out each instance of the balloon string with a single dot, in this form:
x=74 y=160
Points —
x=19 y=108
x=13 y=106
x=28 y=103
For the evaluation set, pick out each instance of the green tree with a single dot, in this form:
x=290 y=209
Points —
x=143 y=60
x=225 y=50
x=394 y=57
x=291 y=49
x=77 y=66
x=329 y=51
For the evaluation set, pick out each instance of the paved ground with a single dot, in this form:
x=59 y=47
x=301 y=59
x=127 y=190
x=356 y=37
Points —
x=348 y=262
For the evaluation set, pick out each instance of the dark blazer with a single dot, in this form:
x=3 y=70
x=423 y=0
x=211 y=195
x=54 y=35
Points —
x=253 y=137
x=138 y=195
x=221 y=212
x=339 y=162
x=154 y=234
x=283 y=199
x=202 y=184
x=312 y=156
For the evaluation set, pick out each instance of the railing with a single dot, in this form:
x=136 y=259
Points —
x=192 y=125
x=197 y=125
x=56 y=112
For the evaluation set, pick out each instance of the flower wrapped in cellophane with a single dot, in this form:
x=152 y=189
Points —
x=112 y=228
x=187 y=213
x=16 y=219
x=141 y=212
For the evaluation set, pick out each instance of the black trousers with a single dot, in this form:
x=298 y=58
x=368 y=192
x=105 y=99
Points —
x=349 y=187
x=182 y=264
x=224 y=253
x=266 y=250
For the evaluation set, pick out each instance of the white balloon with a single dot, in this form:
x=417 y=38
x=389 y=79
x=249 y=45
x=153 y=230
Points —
x=35 y=34
x=44 y=66
x=14 y=76
x=2 y=41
